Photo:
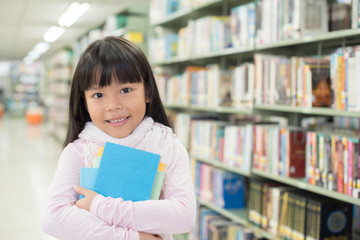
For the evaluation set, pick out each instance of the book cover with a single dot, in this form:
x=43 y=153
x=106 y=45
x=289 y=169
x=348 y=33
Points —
x=205 y=216
x=334 y=219
x=217 y=228
x=126 y=172
x=296 y=157
x=87 y=178
x=233 y=188
x=158 y=182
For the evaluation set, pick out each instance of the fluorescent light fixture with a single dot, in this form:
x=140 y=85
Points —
x=53 y=33
x=32 y=56
x=73 y=13
x=41 y=47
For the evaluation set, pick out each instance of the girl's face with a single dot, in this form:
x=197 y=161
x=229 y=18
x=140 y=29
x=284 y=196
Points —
x=117 y=109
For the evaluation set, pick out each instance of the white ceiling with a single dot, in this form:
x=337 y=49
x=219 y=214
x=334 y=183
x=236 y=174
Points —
x=23 y=23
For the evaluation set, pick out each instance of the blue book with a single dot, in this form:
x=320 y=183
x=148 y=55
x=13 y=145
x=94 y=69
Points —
x=87 y=178
x=233 y=191
x=126 y=172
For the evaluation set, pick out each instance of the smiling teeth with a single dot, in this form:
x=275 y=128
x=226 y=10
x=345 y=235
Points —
x=117 y=120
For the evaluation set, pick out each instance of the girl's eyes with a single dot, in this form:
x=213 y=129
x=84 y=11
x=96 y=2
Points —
x=125 y=90
x=98 y=95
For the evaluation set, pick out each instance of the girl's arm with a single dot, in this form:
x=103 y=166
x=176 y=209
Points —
x=175 y=213
x=62 y=219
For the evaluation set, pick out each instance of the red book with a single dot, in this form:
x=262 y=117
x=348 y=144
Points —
x=296 y=158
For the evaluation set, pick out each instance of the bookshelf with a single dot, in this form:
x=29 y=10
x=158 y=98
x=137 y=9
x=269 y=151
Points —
x=175 y=64
x=59 y=73
x=24 y=88
x=259 y=108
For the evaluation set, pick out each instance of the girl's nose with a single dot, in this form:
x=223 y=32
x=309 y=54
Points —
x=114 y=106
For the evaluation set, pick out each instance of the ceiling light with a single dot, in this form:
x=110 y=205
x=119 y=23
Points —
x=53 y=33
x=73 y=13
x=41 y=47
x=31 y=57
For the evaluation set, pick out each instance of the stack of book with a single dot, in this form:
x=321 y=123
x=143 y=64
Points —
x=124 y=172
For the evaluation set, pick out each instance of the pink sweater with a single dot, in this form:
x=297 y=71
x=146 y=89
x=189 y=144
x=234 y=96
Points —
x=111 y=218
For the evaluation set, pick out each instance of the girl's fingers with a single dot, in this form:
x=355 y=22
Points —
x=80 y=190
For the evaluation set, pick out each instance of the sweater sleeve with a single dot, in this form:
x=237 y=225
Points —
x=174 y=213
x=61 y=218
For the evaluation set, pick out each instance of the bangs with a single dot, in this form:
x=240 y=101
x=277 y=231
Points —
x=108 y=63
x=119 y=71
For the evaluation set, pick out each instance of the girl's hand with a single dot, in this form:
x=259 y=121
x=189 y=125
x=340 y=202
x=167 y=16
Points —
x=148 y=236
x=89 y=195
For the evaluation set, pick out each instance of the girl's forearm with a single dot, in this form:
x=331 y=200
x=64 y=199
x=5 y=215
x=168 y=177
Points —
x=152 y=216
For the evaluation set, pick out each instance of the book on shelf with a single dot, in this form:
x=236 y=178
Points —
x=205 y=221
x=224 y=189
x=236 y=231
x=266 y=204
x=188 y=87
x=219 y=86
x=211 y=34
x=319 y=81
x=277 y=21
x=355 y=14
x=344 y=75
x=255 y=202
x=218 y=228
x=274 y=79
x=313 y=16
x=294 y=158
x=311 y=217
x=332 y=161
x=214 y=226
x=276 y=194
x=185 y=43
x=124 y=172
x=279 y=150
x=242 y=25
x=243 y=77
x=340 y=16
x=238 y=146
x=328 y=219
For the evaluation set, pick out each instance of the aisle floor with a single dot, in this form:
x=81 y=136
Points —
x=28 y=159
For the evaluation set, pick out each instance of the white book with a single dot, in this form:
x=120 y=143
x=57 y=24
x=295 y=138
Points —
x=313 y=17
x=352 y=84
x=258 y=78
x=247 y=147
x=244 y=25
x=249 y=95
x=274 y=20
x=272 y=78
x=275 y=151
x=237 y=89
x=357 y=56
x=354 y=13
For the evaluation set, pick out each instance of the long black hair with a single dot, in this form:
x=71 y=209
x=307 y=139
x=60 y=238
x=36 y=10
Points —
x=103 y=61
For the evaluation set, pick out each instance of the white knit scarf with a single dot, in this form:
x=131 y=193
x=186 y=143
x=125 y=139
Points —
x=149 y=136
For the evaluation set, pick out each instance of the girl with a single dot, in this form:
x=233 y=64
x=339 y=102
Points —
x=114 y=98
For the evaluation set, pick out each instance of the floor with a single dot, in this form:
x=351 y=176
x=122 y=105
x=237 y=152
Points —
x=28 y=158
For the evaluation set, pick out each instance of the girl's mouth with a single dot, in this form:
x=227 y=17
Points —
x=117 y=120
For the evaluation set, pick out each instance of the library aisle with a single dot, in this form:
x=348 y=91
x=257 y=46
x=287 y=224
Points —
x=28 y=158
